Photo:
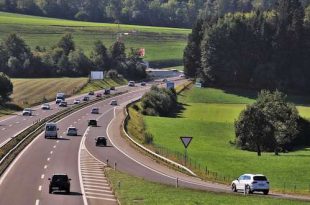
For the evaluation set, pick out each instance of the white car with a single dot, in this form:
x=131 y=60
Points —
x=95 y=110
x=76 y=101
x=45 y=106
x=250 y=183
x=113 y=102
x=72 y=131
x=131 y=83
x=27 y=112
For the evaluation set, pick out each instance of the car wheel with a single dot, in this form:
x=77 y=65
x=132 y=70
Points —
x=248 y=189
x=68 y=191
x=233 y=188
x=266 y=192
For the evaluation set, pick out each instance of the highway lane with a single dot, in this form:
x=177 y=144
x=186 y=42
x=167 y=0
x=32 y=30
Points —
x=11 y=126
x=25 y=182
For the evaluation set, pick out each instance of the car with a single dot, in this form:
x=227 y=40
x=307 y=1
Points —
x=112 y=88
x=131 y=83
x=101 y=141
x=95 y=110
x=143 y=84
x=98 y=95
x=92 y=123
x=45 y=106
x=86 y=98
x=72 y=131
x=59 y=182
x=113 y=102
x=107 y=92
x=250 y=183
x=91 y=93
x=27 y=112
x=76 y=101
x=63 y=104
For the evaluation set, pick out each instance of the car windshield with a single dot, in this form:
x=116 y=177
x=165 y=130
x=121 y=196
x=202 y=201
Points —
x=72 y=129
x=260 y=178
x=101 y=139
x=50 y=128
x=60 y=178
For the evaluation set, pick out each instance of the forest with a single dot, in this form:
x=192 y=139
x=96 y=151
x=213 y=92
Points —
x=260 y=49
x=172 y=13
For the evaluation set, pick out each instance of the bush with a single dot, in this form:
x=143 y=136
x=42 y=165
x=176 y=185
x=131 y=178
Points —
x=148 y=138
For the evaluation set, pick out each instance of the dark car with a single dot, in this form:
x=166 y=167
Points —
x=98 y=95
x=63 y=104
x=59 y=182
x=107 y=91
x=86 y=98
x=143 y=84
x=101 y=141
x=112 y=88
x=92 y=123
x=91 y=93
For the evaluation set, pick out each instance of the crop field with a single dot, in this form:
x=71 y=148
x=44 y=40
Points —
x=161 y=44
x=32 y=91
x=209 y=117
x=135 y=190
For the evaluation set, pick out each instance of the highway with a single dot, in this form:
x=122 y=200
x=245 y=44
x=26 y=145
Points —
x=10 y=126
x=26 y=180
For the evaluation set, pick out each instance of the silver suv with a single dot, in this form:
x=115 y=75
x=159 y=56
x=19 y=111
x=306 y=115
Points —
x=250 y=183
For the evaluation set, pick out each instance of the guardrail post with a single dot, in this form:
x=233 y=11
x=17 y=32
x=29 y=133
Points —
x=107 y=162
x=114 y=165
x=119 y=184
x=177 y=182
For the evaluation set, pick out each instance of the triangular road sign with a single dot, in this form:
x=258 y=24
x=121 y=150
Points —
x=186 y=140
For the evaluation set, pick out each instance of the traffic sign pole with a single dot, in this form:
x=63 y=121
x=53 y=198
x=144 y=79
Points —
x=186 y=141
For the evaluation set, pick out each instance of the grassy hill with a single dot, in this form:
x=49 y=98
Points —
x=161 y=44
x=209 y=117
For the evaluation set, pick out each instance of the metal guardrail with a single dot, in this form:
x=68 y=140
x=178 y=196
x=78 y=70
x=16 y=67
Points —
x=12 y=148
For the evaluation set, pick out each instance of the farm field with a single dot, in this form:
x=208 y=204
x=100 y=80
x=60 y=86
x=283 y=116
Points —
x=161 y=44
x=209 y=117
x=134 y=190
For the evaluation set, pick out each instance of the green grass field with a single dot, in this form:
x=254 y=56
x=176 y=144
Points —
x=134 y=190
x=209 y=116
x=161 y=44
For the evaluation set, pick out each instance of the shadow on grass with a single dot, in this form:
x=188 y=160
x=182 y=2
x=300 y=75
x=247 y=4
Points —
x=179 y=110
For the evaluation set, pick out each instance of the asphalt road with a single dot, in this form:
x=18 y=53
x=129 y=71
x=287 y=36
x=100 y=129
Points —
x=10 y=126
x=26 y=180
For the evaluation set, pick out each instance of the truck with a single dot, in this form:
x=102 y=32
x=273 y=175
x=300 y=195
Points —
x=60 y=97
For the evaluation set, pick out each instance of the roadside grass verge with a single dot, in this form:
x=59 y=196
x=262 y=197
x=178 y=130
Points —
x=161 y=44
x=208 y=116
x=134 y=190
x=101 y=84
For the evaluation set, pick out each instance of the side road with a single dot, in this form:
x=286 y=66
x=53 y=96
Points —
x=173 y=177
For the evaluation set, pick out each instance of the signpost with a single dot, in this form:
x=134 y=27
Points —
x=186 y=140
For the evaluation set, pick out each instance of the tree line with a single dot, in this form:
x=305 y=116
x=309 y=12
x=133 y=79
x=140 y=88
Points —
x=64 y=59
x=175 y=13
x=258 y=49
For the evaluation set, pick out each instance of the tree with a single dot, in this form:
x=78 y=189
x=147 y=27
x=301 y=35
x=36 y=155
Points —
x=253 y=131
x=100 y=56
x=6 y=88
x=66 y=43
x=270 y=124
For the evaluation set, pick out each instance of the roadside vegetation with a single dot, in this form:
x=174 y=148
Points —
x=208 y=116
x=133 y=190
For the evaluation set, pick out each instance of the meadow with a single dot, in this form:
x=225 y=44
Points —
x=163 y=45
x=208 y=117
x=135 y=190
